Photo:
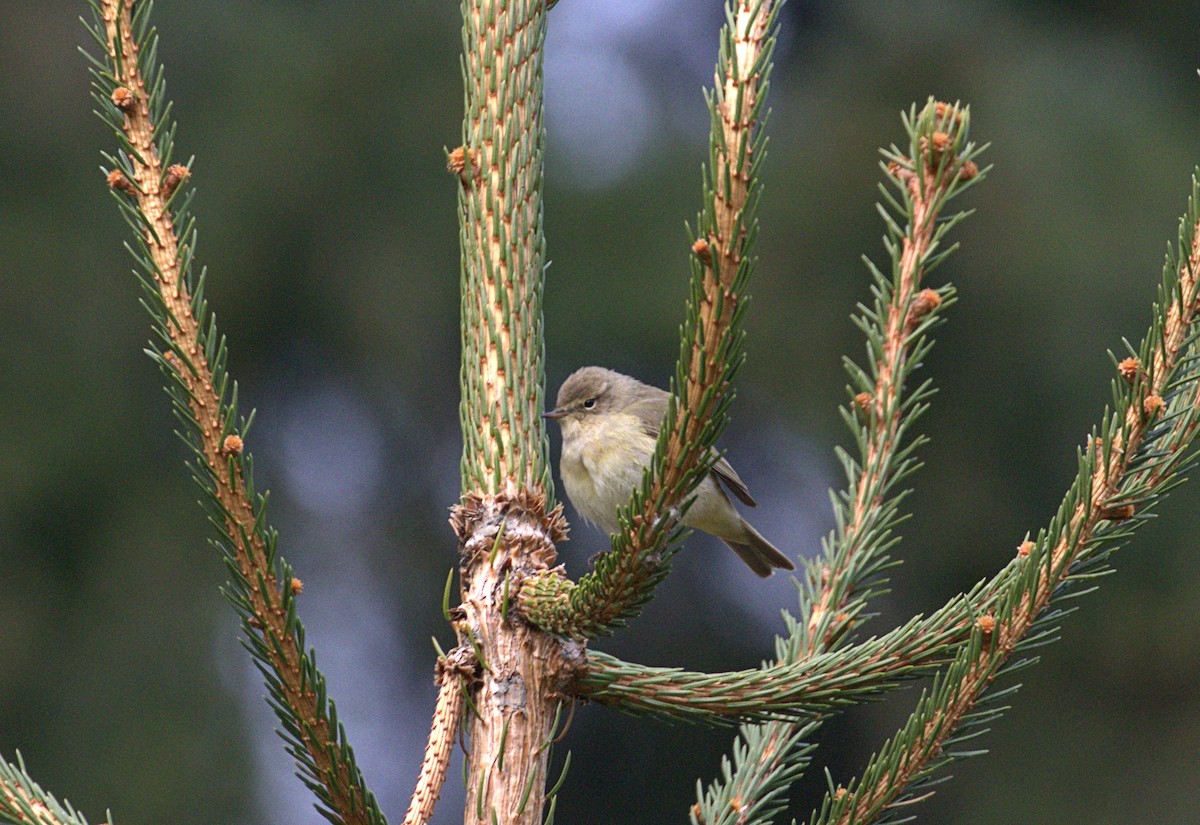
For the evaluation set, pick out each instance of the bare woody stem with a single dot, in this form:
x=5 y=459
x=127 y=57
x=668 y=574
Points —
x=1113 y=470
x=522 y=671
x=248 y=548
x=454 y=672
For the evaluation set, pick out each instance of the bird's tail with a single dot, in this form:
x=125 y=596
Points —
x=759 y=554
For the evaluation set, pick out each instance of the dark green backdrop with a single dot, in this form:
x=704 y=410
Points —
x=328 y=224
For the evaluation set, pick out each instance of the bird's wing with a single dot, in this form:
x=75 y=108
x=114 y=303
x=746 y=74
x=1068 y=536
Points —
x=650 y=410
x=650 y=413
x=729 y=476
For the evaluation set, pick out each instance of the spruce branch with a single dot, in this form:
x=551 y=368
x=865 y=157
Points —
x=939 y=164
x=507 y=523
x=763 y=754
x=502 y=246
x=24 y=802
x=1126 y=467
x=710 y=349
x=129 y=89
x=793 y=685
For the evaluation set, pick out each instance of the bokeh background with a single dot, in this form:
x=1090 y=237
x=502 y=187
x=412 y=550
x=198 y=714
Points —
x=328 y=224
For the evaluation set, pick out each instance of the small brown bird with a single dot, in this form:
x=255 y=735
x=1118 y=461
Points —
x=610 y=424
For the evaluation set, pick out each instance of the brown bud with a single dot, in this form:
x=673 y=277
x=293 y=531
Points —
x=117 y=180
x=232 y=445
x=939 y=142
x=1118 y=513
x=945 y=111
x=1024 y=549
x=986 y=624
x=296 y=585
x=968 y=170
x=124 y=99
x=177 y=173
x=840 y=794
x=923 y=303
x=1129 y=369
x=1153 y=405
x=898 y=170
x=458 y=159
x=863 y=401
x=702 y=250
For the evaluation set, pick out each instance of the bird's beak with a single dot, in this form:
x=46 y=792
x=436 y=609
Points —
x=554 y=415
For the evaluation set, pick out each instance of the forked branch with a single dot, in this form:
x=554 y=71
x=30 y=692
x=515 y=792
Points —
x=1124 y=470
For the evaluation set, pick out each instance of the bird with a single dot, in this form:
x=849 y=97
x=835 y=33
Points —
x=610 y=425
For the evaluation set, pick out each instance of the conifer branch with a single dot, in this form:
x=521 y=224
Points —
x=710 y=352
x=1125 y=468
x=773 y=755
x=792 y=686
x=453 y=672
x=502 y=247
x=129 y=89
x=939 y=163
x=506 y=522
x=22 y=801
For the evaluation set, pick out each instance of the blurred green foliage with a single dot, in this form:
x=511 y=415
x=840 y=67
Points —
x=328 y=224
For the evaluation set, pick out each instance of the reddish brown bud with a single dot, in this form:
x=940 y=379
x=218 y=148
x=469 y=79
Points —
x=923 y=303
x=840 y=794
x=986 y=624
x=123 y=99
x=296 y=585
x=117 y=180
x=968 y=170
x=1153 y=405
x=1129 y=369
x=1024 y=549
x=177 y=173
x=939 y=142
x=702 y=250
x=233 y=445
x=863 y=401
x=1118 y=513
x=457 y=162
x=945 y=111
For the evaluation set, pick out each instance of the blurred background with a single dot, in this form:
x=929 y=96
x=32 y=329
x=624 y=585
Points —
x=328 y=224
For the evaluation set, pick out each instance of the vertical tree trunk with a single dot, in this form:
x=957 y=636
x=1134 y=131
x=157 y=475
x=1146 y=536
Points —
x=522 y=670
x=506 y=523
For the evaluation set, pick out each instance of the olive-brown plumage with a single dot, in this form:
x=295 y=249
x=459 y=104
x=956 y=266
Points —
x=610 y=425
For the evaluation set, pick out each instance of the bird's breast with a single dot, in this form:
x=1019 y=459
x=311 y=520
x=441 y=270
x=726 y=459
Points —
x=602 y=462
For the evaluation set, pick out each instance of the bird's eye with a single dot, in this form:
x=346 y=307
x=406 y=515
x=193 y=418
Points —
x=589 y=404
